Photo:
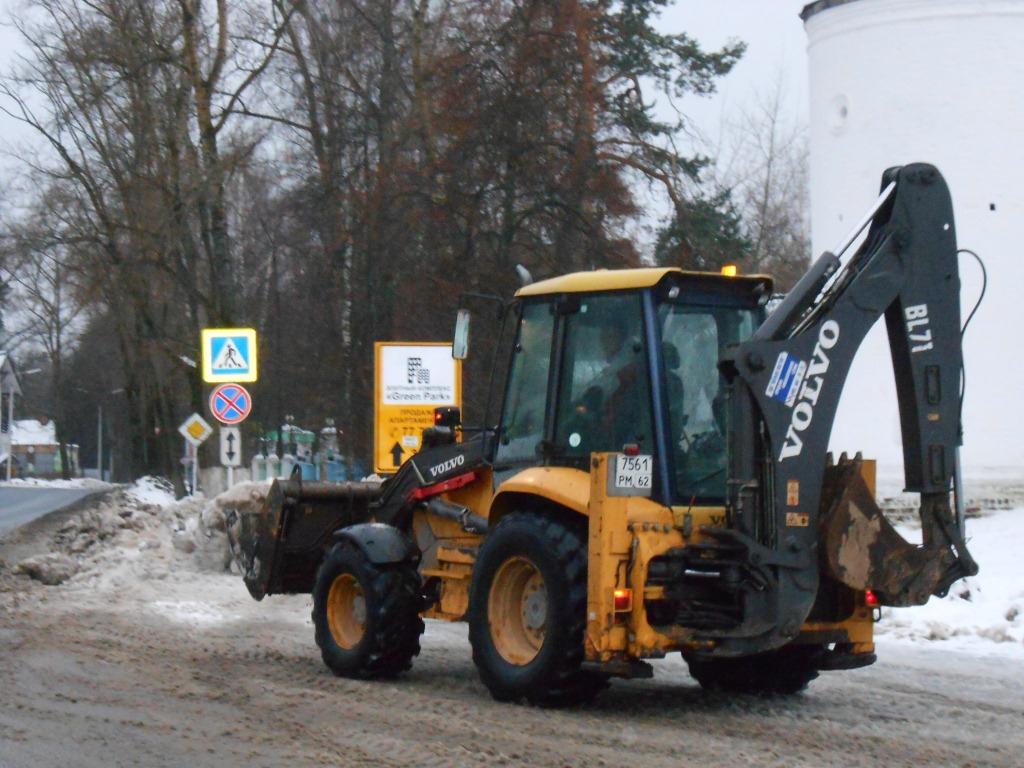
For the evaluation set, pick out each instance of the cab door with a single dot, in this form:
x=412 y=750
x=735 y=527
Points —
x=525 y=413
x=603 y=386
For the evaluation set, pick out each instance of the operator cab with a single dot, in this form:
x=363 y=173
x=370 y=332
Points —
x=627 y=360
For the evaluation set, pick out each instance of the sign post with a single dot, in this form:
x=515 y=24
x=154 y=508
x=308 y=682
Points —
x=230 y=451
x=195 y=430
x=230 y=355
x=411 y=379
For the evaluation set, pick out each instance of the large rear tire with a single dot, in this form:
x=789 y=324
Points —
x=527 y=612
x=366 y=616
x=785 y=671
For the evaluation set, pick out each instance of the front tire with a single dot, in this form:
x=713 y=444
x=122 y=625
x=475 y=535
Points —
x=366 y=616
x=527 y=612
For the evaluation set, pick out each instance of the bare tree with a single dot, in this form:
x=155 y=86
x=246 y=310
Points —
x=762 y=162
x=223 y=56
x=41 y=272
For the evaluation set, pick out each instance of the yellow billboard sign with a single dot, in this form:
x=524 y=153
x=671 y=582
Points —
x=411 y=379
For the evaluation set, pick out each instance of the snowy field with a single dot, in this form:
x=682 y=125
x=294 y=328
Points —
x=981 y=614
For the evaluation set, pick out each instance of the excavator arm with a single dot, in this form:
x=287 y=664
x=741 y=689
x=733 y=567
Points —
x=791 y=513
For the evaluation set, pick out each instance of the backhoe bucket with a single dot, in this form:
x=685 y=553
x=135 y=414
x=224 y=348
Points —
x=279 y=544
x=861 y=549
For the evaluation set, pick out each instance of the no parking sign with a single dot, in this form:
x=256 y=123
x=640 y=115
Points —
x=230 y=403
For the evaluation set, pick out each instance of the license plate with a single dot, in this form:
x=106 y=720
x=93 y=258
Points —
x=631 y=475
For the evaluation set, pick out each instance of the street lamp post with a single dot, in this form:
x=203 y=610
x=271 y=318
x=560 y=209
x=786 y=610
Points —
x=99 y=428
x=99 y=441
x=10 y=433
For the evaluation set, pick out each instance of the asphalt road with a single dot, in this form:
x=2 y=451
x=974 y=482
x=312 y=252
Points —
x=23 y=505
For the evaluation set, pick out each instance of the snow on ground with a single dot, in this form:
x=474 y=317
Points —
x=140 y=533
x=983 y=614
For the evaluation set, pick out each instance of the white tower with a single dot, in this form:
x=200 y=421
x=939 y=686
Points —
x=938 y=81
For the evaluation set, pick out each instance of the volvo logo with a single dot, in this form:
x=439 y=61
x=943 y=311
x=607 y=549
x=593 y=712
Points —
x=447 y=466
x=803 y=411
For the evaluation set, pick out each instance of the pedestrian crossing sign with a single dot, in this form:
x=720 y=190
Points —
x=229 y=355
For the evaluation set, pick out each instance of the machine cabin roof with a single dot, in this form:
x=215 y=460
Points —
x=626 y=279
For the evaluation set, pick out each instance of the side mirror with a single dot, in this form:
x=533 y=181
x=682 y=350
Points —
x=460 y=343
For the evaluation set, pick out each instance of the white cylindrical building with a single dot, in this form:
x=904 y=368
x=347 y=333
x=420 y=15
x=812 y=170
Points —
x=938 y=81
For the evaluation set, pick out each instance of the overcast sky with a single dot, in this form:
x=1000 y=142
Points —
x=776 y=48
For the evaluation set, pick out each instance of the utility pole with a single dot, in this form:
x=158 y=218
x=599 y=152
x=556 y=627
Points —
x=99 y=442
x=10 y=431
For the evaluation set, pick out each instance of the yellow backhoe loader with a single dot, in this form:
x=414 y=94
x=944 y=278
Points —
x=657 y=481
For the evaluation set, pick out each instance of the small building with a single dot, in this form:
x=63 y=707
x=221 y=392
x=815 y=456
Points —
x=36 y=451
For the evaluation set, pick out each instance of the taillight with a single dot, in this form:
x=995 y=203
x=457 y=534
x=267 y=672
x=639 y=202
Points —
x=447 y=416
x=623 y=600
x=870 y=599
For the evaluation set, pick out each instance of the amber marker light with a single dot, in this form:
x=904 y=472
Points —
x=623 y=600
x=730 y=270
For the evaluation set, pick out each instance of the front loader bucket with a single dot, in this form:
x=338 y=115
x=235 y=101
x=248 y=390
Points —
x=862 y=550
x=280 y=544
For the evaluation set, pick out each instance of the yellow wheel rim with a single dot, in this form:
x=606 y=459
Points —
x=517 y=609
x=346 y=611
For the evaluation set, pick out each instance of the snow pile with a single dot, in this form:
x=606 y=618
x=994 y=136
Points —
x=52 y=568
x=157 y=491
x=984 y=613
x=244 y=496
x=133 y=533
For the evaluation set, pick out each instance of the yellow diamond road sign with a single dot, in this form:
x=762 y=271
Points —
x=195 y=429
x=229 y=355
x=412 y=378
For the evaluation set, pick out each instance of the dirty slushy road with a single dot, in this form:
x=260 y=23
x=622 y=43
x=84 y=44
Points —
x=231 y=682
x=146 y=657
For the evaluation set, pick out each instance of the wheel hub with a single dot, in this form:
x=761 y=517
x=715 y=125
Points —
x=359 y=609
x=346 y=611
x=535 y=608
x=517 y=610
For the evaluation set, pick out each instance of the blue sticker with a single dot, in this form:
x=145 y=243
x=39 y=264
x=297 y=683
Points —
x=787 y=376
